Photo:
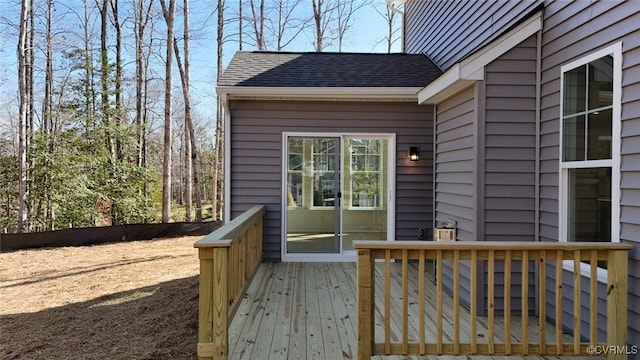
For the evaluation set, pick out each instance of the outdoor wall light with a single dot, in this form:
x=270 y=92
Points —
x=414 y=154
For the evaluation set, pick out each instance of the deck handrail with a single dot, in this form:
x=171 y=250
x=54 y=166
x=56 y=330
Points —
x=574 y=257
x=229 y=257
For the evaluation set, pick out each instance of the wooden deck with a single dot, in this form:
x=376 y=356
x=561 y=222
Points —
x=308 y=311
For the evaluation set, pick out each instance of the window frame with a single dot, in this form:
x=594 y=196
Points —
x=614 y=162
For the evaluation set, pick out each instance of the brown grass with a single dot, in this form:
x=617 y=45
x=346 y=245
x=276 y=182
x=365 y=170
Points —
x=135 y=300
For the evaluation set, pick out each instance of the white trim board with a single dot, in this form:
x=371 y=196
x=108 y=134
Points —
x=320 y=93
x=471 y=69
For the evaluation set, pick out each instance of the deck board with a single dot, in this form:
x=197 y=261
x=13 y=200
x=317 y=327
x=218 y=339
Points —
x=308 y=311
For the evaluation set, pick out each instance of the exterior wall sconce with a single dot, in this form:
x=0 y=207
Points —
x=414 y=153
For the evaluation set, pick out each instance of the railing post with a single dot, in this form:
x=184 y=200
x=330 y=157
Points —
x=213 y=333
x=617 y=283
x=205 y=304
x=365 y=294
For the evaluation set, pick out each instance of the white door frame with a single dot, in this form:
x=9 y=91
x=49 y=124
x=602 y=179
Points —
x=342 y=255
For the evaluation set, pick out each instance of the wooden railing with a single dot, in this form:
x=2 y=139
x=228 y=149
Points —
x=229 y=257
x=547 y=259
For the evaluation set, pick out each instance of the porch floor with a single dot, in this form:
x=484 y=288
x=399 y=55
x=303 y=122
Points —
x=308 y=311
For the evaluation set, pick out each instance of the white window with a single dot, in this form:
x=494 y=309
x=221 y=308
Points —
x=590 y=147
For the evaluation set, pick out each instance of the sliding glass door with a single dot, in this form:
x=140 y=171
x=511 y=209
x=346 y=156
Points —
x=336 y=191
x=313 y=178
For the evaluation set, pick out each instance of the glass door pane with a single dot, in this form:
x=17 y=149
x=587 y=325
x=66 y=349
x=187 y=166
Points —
x=364 y=207
x=313 y=182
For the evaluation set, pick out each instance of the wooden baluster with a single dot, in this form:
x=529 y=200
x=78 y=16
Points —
x=456 y=302
x=405 y=301
x=507 y=302
x=542 y=302
x=593 y=298
x=559 y=341
x=491 y=298
x=577 y=303
x=474 y=302
x=525 y=302
x=439 y=294
x=387 y=302
x=421 y=302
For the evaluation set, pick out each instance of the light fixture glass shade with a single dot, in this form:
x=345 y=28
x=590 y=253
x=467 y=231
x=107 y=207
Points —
x=414 y=154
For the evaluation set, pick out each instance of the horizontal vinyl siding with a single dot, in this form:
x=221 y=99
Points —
x=447 y=31
x=510 y=145
x=455 y=162
x=256 y=155
x=573 y=30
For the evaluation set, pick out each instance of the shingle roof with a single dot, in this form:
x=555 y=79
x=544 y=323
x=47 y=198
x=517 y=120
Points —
x=285 y=69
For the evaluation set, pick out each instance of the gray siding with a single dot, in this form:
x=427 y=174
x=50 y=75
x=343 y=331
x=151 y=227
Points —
x=573 y=30
x=455 y=163
x=507 y=157
x=455 y=175
x=447 y=31
x=510 y=145
x=256 y=155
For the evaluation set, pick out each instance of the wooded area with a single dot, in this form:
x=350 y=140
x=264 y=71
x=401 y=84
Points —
x=100 y=133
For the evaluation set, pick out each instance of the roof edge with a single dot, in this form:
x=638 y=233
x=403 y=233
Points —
x=471 y=69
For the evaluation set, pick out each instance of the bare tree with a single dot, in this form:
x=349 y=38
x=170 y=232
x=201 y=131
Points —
x=23 y=88
x=119 y=111
x=166 y=164
x=257 y=21
x=240 y=23
x=323 y=16
x=345 y=9
x=216 y=207
x=191 y=154
x=104 y=78
x=142 y=15
x=288 y=26
x=390 y=16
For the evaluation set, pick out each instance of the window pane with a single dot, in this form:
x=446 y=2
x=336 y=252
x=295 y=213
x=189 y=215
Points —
x=601 y=82
x=365 y=189
x=324 y=189
x=589 y=216
x=599 y=135
x=573 y=138
x=373 y=162
x=294 y=187
x=575 y=90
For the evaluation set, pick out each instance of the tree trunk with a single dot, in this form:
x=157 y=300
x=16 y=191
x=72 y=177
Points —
x=23 y=83
x=216 y=206
x=119 y=112
x=317 y=17
x=166 y=165
x=258 y=24
x=240 y=21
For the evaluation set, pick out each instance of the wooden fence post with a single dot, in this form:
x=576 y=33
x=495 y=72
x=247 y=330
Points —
x=617 y=287
x=205 y=304
x=365 y=295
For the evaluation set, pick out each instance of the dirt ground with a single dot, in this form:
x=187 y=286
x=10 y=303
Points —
x=135 y=300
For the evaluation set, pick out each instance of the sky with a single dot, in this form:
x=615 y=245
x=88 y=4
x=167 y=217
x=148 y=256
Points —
x=368 y=28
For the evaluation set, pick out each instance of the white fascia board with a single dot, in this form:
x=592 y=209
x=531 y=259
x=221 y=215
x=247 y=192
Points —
x=471 y=69
x=409 y=93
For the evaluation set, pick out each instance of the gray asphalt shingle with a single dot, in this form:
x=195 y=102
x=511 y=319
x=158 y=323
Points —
x=286 y=69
